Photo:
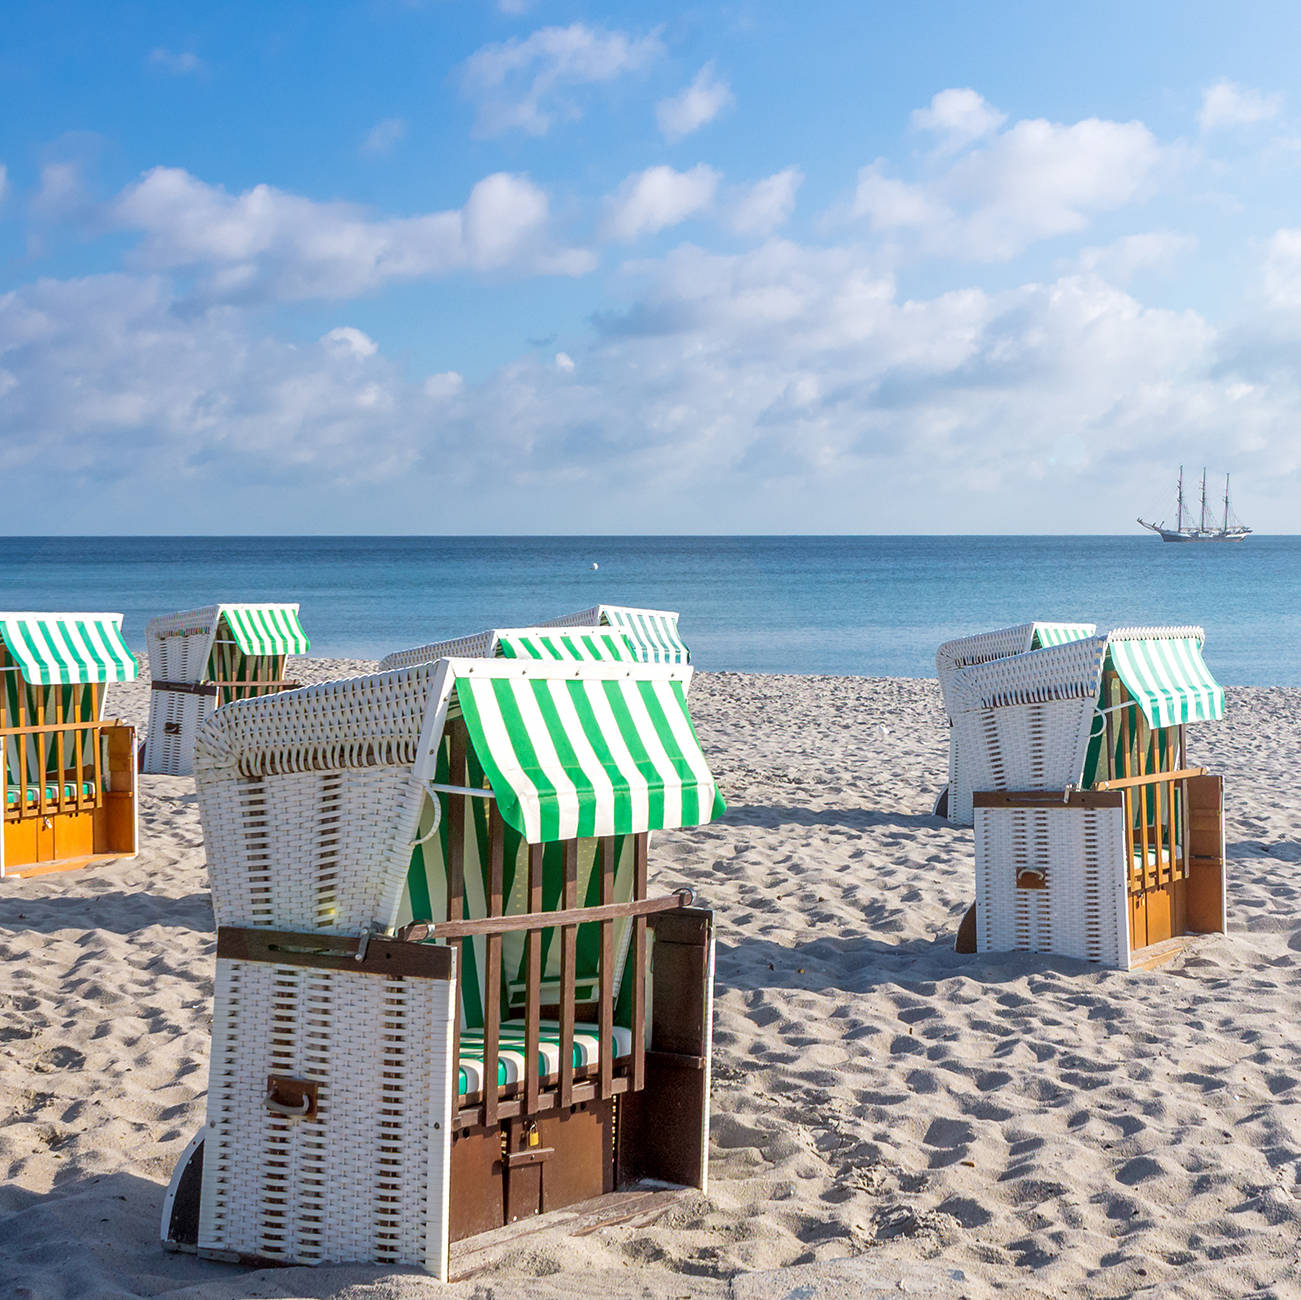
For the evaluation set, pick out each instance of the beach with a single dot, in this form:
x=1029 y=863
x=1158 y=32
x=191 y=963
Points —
x=888 y=1115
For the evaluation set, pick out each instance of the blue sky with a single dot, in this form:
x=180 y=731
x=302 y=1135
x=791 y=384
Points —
x=543 y=267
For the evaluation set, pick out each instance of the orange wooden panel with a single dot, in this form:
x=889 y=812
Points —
x=1137 y=921
x=74 y=835
x=1160 y=914
x=1206 y=855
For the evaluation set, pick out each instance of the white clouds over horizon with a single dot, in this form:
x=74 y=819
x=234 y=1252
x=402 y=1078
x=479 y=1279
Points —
x=530 y=83
x=700 y=375
x=782 y=364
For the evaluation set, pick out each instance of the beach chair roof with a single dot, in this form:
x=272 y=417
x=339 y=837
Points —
x=1162 y=668
x=257 y=629
x=569 y=749
x=1164 y=671
x=653 y=632
x=569 y=643
x=68 y=649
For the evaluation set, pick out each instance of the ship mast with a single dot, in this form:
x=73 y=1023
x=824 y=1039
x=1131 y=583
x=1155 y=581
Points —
x=1180 y=524
x=1226 y=503
x=1203 y=498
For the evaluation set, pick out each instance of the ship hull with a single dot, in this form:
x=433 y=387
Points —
x=1184 y=537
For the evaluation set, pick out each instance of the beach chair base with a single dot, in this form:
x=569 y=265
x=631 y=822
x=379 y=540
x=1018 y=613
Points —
x=63 y=864
x=68 y=839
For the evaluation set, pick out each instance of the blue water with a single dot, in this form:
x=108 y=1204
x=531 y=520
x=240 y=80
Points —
x=872 y=605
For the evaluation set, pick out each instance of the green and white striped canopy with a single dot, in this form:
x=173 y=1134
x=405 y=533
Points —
x=66 y=649
x=583 y=755
x=266 y=629
x=1168 y=678
x=653 y=633
x=599 y=646
x=1046 y=634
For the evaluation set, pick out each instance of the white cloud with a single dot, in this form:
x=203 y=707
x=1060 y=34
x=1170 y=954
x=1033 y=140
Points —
x=180 y=63
x=1033 y=181
x=347 y=341
x=889 y=204
x=444 y=386
x=699 y=103
x=659 y=197
x=1226 y=104
x=958 y=116
x=565 y=363
x=4 y=183
x=1122 y=259
x=266 y=243
x=528 y=83
x=384 y=136
x=761 y=208
x=110 y=371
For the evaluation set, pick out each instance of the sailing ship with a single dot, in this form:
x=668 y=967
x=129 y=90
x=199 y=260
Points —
x=1229 y=528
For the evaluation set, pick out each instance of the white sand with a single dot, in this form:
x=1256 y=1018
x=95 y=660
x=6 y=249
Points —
x=948 y=1125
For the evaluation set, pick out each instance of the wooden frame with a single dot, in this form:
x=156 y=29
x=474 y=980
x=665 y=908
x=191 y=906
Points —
x=551 y=1141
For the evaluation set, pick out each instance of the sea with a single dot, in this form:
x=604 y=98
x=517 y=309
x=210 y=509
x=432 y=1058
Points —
x=875 y=606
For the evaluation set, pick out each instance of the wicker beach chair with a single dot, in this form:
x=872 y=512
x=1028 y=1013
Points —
x=954 y=800
x=1095 y=838
x=201 y=659
x=599 y=644
x=653 y=632
x=68 y=779
x=445 y=998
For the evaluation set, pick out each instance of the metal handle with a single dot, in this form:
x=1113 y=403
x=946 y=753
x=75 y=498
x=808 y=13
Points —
x=292 y=1098
x=279 y=1107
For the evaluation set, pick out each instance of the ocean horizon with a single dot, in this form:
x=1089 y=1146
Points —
x=832 y=604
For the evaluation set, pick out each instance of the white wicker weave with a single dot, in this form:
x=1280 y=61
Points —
x=1082 y=909
x=309 y=806
x=965 y=652
x=1022 y=722
x=370 y=1183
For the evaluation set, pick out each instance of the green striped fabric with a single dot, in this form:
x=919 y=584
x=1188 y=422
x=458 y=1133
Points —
x=604 y=646
x=266 y=629
x=653 y=633
x=1168 y=679
x=68 y=649
x=1046 y=634
x=571 y=757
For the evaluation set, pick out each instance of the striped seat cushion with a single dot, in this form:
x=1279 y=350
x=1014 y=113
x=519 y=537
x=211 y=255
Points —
x=51 y=792
x=510 y=1060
